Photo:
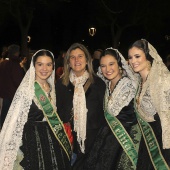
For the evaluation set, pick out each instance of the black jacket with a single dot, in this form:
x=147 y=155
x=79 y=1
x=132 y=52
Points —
x=94 y=104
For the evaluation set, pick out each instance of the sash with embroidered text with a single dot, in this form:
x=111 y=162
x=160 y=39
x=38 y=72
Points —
x=123 y=138
x=53 y=120
x=152 y=145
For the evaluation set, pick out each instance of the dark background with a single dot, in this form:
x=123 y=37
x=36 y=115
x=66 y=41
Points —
x=57 y=24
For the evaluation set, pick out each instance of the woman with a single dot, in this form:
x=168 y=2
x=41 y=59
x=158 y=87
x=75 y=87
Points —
x=33 y=137
x=152 y=105
x=80 y=100
x=116 y=146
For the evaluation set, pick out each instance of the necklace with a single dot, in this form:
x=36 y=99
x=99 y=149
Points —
x=110 y=93
x=45 y=86
x=138 y=94
x=140 y=90
x=111 y=89
x=47 y=89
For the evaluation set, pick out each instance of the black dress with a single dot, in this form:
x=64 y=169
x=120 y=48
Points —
x=95 y=115
x=144 y=161
x=40 y=147
x=107 y=153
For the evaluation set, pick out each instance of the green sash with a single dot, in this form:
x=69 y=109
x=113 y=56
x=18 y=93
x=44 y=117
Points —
x=123 y=137
x=53 y=120
x=152 y=145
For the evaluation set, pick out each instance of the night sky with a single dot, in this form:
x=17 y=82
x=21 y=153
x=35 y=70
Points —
x=58 y=26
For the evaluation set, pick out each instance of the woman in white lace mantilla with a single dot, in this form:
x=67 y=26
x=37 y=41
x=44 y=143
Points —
x=109 y=150
x=152 y=105
x=27 y=140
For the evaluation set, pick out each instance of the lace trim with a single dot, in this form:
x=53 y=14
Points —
x=147 y=110
x=11 y=133
x=127 y=71
x=123 y=93
x=159 y=89
x=125 y=90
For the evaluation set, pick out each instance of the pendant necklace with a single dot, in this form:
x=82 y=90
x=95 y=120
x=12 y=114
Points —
x=138 y=95
x=140 y=90
x=110 y=93
x=47 y=88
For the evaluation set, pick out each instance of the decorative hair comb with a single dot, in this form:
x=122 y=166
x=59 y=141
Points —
x=110 y=48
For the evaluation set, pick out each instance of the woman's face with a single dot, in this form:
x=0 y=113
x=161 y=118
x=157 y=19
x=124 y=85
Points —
x=137 y=60
x=77 y=61
x=43 y=68
x=110 y=68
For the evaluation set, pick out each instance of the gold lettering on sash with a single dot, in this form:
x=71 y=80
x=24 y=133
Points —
x=127 y=147
x=121 y=135
x=63 y=141
x=51 y=115
x=57 y=128
x=151 y=145
x=145 y=129
x=117 y=130
x=125 y=141
x=148 y=137
x=124 y=137
x=60 y=135
x=114 y=124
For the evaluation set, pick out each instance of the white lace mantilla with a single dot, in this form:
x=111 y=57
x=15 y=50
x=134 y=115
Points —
x=158 y=84
x=145 y=104
x=11 y=133
x=121 y=96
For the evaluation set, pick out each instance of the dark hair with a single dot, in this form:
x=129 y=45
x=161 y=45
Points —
x=12 y=49
x=43 y=53
x=114 y=53
x=143 y=45
x=100 y=50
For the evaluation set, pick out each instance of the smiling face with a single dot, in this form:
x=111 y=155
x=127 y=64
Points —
x=77 y=61
x=43 y=68
x=110 y=68
x=137 y=60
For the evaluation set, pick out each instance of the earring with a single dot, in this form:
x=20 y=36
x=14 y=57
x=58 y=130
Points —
x=120 y=70
x=149 y=65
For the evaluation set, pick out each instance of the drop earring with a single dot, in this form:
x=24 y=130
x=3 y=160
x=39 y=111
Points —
x=149 y=65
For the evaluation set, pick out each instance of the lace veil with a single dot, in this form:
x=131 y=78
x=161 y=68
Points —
x=124 y=92
x=11 y=133
x=159 y=87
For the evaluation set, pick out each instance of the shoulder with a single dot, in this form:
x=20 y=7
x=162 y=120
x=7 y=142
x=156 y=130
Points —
x=99 y=82
x=4 y=62
x=126 y=84
x=59 y=82
x=126 y=81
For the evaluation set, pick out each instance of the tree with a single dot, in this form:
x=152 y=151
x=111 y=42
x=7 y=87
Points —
x=22 y=12
x=123 y=14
